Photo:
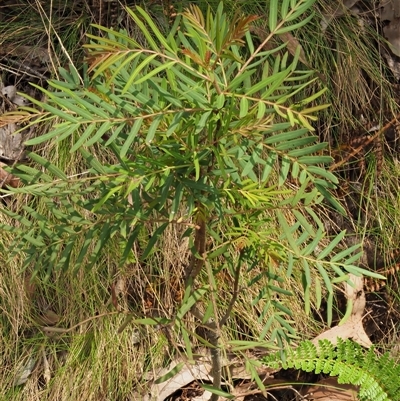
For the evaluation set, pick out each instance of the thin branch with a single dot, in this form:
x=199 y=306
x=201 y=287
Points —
x=197 y=264
x=22 y=68
x=367 y=142
x=235 y=294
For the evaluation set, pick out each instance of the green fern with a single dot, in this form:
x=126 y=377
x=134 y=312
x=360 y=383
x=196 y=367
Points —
x=377 y=377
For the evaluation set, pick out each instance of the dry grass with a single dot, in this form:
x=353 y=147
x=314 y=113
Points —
x=94 y=361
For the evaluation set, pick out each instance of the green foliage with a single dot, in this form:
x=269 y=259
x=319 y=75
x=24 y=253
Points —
x=203 y=134
x=377 y=376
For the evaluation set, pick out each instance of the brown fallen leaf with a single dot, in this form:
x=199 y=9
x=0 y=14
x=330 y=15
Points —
x=392 y=34
x=352 y=328
x=389 y=9
x=292 y=45
x=48 y=318
x=7 y=178
x=46 y=367
x=37 y=55
x=29 y=286
x=329 y=389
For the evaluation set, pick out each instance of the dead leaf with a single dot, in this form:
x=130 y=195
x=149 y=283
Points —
x=114 y=299
x=189 y=373
x=204 y=397
x=30 y=286
x=7 y=178
x=24 y=371
x=329 y=389
x=338 y=9
x=389 y=9
x=46 y=367
x=292 y=45
x=11 y=144
x=393 y=64
x=201 y=370
x=16 y=117
x=353 y=327
x=48 y=318
x=10 y=93
x=32 y=54
x=392 y=34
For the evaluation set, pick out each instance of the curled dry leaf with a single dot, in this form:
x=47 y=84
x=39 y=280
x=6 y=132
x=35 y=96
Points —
x=7 y=178
x=353 y=327
x=24 y=371
x=48 y=318
x=10 y=93
x=46 y=367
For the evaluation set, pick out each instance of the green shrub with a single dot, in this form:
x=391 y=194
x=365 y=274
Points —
x=200 y=130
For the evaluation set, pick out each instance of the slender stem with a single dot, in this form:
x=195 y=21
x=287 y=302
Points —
x=235 y=294
x=362 y=146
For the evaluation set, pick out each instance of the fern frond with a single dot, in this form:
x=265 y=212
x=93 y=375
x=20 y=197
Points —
x=378 y=378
